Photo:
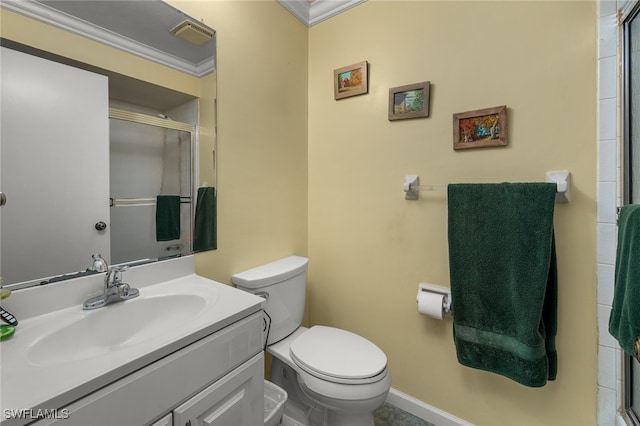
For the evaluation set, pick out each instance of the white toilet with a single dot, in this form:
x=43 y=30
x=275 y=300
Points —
x=333 y=377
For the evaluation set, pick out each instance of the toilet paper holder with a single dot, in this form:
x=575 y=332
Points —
x=447 y=306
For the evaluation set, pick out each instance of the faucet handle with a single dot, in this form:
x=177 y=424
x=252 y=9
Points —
x=124 y=289
x=117 y=273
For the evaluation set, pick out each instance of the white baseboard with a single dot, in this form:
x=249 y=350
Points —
x=423 y=410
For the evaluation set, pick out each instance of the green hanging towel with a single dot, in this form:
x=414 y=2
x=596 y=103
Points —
x=167 y=217
x=624 y=322
x=502 y=267
x=204 y=232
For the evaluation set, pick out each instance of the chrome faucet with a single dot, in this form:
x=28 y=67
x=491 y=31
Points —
x=99 y=264
x=114 y=290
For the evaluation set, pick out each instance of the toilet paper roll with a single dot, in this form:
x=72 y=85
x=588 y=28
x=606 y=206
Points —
x=430 y=304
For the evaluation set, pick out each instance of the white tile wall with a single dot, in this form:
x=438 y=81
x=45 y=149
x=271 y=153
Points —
x=610 y=395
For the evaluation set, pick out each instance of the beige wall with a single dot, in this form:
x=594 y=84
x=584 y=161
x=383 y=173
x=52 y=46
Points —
x=284 y=141
x=369 y=247
x=262 y=114
x=262 y=134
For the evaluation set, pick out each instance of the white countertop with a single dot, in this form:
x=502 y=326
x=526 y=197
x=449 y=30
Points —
x=31 y=379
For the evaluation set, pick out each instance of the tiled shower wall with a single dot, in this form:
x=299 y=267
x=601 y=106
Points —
x=610 y=390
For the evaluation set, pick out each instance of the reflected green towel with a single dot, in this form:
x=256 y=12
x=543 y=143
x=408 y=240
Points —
x=503 y=278
x=204 y=232
x=624 y=322
x=167 y=217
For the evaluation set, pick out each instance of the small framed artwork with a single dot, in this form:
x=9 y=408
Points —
x=351 y=81
x=480 y=128
x=410 y=101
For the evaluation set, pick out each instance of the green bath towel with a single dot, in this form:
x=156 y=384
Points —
x=624 y=322
x=167 y=217
x=204 y=230
x=503 y=278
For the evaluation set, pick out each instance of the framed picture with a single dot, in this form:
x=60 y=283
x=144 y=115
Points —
x=480 y=128
x=410 y=101
x=351 y=80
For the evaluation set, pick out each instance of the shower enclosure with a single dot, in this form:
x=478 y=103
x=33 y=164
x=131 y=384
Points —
x=631 y=185
x=149 y=157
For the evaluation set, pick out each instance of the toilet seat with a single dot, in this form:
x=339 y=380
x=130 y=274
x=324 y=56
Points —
x=338 y=356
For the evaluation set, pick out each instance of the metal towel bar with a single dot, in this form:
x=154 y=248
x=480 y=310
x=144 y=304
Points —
x=412 y=186
x=122 y=202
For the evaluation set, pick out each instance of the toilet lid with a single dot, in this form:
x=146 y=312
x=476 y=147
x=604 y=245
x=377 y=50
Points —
x=338 y=354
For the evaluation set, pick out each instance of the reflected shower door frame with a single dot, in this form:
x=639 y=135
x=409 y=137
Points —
x=149 y=156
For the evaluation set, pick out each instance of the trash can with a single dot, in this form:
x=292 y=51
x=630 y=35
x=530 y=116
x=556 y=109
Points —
x=274 y=399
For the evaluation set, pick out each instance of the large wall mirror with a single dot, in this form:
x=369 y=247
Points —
x=93 y=160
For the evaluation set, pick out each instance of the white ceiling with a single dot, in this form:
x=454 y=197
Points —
x=139 y=27
x=142 y=27
x=311 y=12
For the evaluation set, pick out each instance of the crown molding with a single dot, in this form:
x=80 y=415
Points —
x=316 y=11
x=47 y=15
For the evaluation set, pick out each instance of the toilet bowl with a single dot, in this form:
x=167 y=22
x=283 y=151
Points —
x=324 y=360
x=333 y=377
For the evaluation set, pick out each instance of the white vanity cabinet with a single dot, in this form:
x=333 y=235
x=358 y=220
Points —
x=165 y=421
x=230 y=401
x=218 y=380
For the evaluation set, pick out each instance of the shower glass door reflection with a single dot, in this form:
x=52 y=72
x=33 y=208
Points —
x=148 y=160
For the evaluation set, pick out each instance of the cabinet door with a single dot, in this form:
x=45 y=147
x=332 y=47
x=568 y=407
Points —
x=235 y=400
x=165 y=421
x=54 y=134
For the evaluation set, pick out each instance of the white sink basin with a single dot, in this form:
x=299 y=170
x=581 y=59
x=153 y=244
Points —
x=113 y=327
x=70 y=353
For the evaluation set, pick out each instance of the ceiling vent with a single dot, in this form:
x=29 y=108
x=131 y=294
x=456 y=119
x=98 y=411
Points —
x=192 y=32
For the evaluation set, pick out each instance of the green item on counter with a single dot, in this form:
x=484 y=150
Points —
x=6 y=331
x=4 y=293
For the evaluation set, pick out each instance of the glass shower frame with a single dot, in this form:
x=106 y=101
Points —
x=160 y=122
x=631 y=176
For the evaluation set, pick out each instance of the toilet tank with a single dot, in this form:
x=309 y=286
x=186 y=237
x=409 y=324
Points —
x=283 y=284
